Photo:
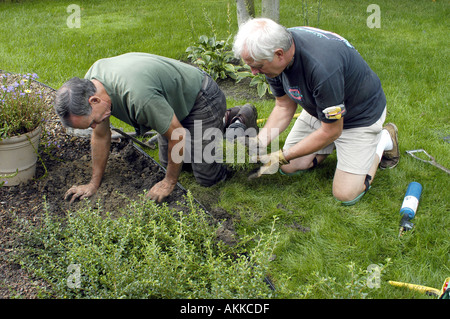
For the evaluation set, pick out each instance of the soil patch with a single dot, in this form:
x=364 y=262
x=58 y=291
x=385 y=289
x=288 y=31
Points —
x=66 y=161
x=241 y=90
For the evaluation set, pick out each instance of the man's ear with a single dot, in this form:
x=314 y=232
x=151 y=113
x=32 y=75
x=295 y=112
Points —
x=94 y=100
x=279 y=53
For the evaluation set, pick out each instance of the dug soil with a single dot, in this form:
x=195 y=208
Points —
x=65 y=162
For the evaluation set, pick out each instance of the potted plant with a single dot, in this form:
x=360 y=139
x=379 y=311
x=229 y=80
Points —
x=22 y=111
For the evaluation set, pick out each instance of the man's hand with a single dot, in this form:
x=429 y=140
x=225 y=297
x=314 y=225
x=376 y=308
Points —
x=161 y=190
x=80 y=192
x=100 y=145
x=176 y=138
x=271 y=162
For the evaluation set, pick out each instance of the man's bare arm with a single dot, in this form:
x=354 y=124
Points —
x=100 y=146
x=279 y=119
x=325 y=135
x=176 y=137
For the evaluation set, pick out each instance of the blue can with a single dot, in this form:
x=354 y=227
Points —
x=411 y=200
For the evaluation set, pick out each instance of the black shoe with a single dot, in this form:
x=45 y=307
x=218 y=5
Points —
x=230 y=114
x=247 y=115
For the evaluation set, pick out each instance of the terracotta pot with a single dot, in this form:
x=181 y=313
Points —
x=18 y=154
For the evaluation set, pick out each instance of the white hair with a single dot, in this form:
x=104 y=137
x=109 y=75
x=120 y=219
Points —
x=260 y=37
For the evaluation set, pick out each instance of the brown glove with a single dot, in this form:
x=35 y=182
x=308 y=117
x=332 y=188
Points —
x=271 y=162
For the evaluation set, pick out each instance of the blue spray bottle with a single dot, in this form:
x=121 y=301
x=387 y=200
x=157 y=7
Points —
x=409 y=206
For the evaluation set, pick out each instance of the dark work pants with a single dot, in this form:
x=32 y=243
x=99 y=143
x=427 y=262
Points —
x=207 y=113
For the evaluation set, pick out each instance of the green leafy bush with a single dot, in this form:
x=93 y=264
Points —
x=213 y=56
x=149 y=251
x=216 y=58
x=259 y=79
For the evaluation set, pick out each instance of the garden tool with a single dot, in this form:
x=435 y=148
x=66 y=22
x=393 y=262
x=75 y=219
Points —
x=431 y=160
x=147 y=144
x=424 y=289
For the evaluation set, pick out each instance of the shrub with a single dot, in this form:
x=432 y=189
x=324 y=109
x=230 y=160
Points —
x=259 y=80
x=149 y=251
x=213 y=56
x=216 y=58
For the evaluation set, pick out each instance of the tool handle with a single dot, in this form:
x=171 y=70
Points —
x=422 y=289
x=431 y=160
x=441 y=167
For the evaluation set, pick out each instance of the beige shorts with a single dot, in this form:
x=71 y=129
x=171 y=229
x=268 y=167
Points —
x=355 y=148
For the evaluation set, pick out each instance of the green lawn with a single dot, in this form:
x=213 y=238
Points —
x=410 y=54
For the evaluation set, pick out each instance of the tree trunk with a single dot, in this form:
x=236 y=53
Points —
x=271 y=9
x=245 y=10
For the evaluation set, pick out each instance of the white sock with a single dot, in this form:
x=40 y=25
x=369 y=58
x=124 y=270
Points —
x=237 y=121
x=385 y=143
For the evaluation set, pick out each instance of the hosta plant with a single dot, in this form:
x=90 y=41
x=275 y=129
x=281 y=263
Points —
x=213 y=56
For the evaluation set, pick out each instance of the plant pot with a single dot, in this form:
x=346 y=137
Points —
x=17 y=154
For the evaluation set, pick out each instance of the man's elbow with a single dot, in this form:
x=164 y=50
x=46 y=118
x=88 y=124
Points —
x=332 y=131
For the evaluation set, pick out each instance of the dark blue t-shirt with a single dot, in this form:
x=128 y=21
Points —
x=328 y=71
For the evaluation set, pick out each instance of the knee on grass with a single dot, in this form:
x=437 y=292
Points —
x=346 y=196
x=350 y=196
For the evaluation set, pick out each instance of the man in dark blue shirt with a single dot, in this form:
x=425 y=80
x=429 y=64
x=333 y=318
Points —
x=344 y=106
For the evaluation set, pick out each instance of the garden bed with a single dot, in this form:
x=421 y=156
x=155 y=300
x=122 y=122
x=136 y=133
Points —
x=67 y=162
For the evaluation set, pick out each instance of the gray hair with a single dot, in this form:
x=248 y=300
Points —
x=260 y=38
x=73 y=99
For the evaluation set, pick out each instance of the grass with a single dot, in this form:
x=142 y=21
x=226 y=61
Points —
x=409 y=53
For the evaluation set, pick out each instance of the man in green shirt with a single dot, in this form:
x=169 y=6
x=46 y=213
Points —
x=182 y=103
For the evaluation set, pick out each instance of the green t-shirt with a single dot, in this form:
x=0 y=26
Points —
x=146 y=90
